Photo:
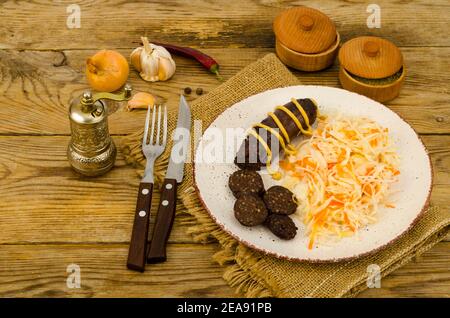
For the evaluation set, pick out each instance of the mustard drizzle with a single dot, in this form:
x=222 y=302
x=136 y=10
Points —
x=288 y=148
x=275 y=174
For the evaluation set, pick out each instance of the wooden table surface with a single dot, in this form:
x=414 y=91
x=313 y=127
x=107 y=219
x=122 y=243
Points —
x=51 y=217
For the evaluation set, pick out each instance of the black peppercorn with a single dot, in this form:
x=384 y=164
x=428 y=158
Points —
x=187 y=90
x=199 y=91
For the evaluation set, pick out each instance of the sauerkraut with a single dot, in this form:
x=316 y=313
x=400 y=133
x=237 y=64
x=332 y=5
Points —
x=341 y=176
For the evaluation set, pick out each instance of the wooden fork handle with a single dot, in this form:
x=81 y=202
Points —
x=138 y=245
x=164 y=222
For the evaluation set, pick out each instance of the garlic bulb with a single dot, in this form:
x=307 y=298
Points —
x=153 y=62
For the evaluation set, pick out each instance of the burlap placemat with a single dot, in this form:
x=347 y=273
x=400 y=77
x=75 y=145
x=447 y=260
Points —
x=252 y=273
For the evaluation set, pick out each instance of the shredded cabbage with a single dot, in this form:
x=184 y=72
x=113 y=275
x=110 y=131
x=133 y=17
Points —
x=341 y=176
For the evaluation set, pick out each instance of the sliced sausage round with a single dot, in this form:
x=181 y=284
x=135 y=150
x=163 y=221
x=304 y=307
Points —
x=244 y=182
x=282 y=226
x=280 y=200
x=250 y=210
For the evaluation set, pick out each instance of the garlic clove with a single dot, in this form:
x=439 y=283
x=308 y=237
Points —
x=161 y=51
x=141 y=100
x=150 y=67
x=166 y=69
x=135 y=58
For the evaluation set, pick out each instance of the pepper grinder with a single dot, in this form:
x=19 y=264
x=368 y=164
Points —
x=91 y=150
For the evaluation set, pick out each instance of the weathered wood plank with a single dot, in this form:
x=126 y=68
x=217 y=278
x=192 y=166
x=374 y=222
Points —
x=36 y=88
x=205 y=23
x=40 y=271
x=42 y=200
x=46 y=201
x=426 y=277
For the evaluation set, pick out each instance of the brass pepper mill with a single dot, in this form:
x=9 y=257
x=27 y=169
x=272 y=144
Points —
x=91 y=150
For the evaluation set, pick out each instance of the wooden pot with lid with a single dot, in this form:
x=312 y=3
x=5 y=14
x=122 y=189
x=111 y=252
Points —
x=306 y=39
x=373 y=67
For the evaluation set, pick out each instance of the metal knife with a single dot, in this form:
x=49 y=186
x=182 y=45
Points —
x=174 y=176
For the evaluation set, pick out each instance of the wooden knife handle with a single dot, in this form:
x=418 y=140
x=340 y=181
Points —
x=164 y=221
x=139 y=237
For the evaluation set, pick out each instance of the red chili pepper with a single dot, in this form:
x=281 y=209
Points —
x=207 y=61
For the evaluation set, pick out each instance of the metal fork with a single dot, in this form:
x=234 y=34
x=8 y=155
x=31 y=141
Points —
x=152 y=150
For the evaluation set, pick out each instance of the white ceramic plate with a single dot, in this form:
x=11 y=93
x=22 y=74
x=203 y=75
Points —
x=413 y=188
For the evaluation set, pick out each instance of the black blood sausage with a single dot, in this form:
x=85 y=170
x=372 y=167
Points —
x=246 y=158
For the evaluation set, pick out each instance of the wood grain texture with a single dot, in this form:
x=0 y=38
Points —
x=137 y=250
x=202 y=23
x=164 y=222
x=308 y=62
x=36 y=88
x=370 y=57
x=40 y=271
x=50 y=216
x=57 y=205
x=428 y=276
x=381 y=93
x=305 y=30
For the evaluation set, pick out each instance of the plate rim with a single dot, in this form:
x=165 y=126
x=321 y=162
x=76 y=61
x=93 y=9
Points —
x=312 y=260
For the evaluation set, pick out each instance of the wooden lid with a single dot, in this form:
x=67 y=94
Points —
x=304 y=30
x=370 y=57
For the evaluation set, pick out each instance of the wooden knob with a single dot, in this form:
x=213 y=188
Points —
x=306 y=22
x=371 y=48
